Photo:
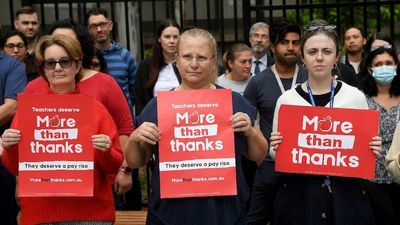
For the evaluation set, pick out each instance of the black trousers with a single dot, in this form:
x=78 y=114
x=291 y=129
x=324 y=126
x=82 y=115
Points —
x=8 y=204
x=263 y=194
x=385 y=202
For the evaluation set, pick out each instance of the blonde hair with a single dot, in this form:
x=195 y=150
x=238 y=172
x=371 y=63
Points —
x=201 y=35
x=71 y=46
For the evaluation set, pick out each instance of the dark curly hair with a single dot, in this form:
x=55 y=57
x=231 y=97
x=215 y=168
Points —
x=84 y=38
x=279 y=29
x=12 y=33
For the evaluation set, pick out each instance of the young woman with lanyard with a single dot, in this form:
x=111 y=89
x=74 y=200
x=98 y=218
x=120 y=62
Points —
x=313 y=199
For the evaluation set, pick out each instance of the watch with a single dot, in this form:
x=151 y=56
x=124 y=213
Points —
x=126 y=169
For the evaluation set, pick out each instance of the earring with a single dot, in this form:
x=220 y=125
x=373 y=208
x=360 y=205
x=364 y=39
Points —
x=335 y=66
x=304 y=66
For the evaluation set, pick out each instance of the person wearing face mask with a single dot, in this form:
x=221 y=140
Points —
x=381 y=85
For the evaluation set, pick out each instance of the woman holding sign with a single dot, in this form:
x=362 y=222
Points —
x=59 y=59
x=101 y=86
x=196 y=62
x=314 y=199
x=381 y=85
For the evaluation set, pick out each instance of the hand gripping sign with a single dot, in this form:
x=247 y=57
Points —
x=55 y=153
x=326 y=141
x=196 y=151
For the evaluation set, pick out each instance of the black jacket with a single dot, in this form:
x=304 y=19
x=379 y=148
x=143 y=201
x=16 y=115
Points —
x=142 y=94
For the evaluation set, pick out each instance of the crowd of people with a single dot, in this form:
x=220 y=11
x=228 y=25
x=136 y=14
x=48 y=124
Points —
x=285 y=64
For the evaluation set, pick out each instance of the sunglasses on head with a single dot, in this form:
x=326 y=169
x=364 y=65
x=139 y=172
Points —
x=388 y=47
x=312 y=28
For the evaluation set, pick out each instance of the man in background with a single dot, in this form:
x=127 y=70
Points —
x=354 y=41
x=262 y=91
x=122 y=66
x=27 y=22
x=120 y=63
x=260 y=46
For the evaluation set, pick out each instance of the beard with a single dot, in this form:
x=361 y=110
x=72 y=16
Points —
x=289 y=59
x=354 y=51
x=258 y=48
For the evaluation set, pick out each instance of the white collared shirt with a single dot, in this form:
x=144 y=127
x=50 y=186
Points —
x=262 y=65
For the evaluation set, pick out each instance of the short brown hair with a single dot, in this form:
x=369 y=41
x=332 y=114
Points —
x=96 y=12
x=25 y=10
x=230 y=55
x=71 y=46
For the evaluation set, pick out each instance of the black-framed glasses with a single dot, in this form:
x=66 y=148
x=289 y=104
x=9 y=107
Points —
x=388 y=47
x=11 y=46
x=102 y=25
x=313 y=28
x=200 y=59
x=64 y=62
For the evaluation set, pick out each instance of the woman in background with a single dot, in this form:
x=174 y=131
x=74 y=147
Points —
x=98 y=63
x=14 y=44
x=380 y=83
x=238 y=62
x=158 y=72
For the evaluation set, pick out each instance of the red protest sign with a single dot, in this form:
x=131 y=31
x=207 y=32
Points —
x=55 y=152
x=326 y=141
x=196 y=151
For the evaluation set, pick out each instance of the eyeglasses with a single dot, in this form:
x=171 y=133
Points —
x=388 y=47
x=19 y=46
x=102 y=25
x=199 y=59
x=64 y=62
x=312 y=28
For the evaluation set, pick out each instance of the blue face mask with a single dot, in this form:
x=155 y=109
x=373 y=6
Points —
x=384 y=74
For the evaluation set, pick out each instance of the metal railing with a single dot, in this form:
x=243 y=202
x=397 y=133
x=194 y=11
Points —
x=371 y=16
x=228 y=20
x=137 y=19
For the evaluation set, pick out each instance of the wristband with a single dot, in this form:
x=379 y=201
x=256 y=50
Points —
x=126 y=169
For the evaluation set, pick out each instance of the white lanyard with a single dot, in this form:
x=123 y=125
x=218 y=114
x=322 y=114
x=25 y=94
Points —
x=278 y=79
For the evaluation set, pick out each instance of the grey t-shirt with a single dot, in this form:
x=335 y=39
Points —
x=237 y=86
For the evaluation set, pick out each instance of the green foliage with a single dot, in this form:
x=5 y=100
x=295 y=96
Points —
x=148 y=52
x=349 y=16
